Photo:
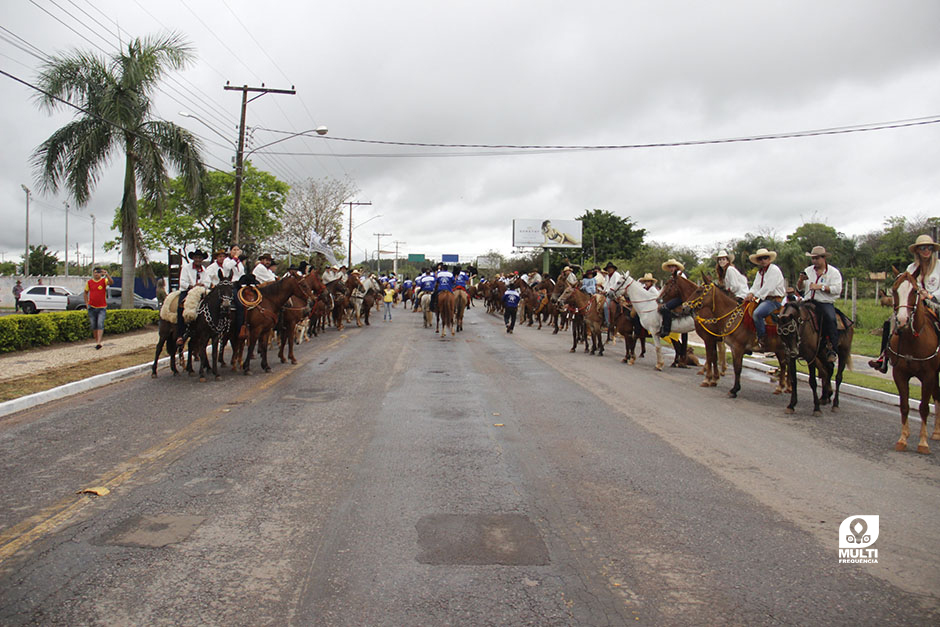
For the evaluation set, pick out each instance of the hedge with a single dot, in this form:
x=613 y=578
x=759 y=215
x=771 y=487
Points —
x=20 y=331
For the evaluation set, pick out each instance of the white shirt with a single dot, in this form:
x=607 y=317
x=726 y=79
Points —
x=831 y=279
x=263 y=274
x=189 y=277
x=236 y=267
x=330 y=275
x=930 y=283
x=613 y=284
x=735 y=282
x=770 y=283
x=212 y=273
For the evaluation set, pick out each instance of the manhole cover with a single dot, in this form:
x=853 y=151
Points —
x=153 y=531
x=479 y=539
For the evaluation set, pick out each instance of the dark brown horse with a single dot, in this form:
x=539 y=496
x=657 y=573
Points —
x=913 y=352
x=445 y=313
x=211 y=325
x=295 y=310
x=679 y=286
x=624 y=324
x=798 y=327
x=167 y=337
x=587 y=308
x=263 y=318
x=461 y=302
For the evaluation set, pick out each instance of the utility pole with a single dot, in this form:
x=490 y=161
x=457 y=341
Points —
x=239 y=156
x=395 y=260
x=26 y=258
x=351 y=205
x=378 y=250
x=92 y=240
x=66 y=203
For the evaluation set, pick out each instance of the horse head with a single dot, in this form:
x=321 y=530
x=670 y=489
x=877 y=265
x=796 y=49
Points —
x=314 y=282
x=568 y=291
x=905 y=294
x=788 y=328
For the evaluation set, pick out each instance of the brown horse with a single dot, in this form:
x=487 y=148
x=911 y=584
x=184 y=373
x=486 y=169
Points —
x=461 y=300
x=263 y=318
x=339 y=298
x=295 y=310
x=685 y=289
x=624 y=324
x=913 y=352
x=719 y=315
x=798 y=328
x=445 y=313
x=588 y=308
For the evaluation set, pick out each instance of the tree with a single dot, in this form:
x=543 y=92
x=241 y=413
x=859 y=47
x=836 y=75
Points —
x=314 y=204
x=606 y=236
x=114 y=96
x=41 y=261
x=650 y=258
x=206 y=222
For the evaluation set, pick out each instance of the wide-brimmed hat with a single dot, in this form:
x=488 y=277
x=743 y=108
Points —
x=265 y=256
x=818 y=251
x=648 y=277
x=220 y=253
x=590 y=272
x=674 y=263
x=355 y=272
x=609 y=266
x=197 y=253
x=763 y=252
x=923 y=240
x=726 y=254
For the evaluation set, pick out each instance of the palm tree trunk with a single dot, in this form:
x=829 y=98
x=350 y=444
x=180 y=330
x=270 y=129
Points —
x=129 y=228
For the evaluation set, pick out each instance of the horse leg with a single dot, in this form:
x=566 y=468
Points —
x=835 y=397
x=600 y=341
x=792 y=373
x=265 y=340
x=901 y=381
x=737 y=359
x=250 y=350
x=812 y=384
x=710 y=365
x=928 y=388
x=215 y=358
x=659 y=351
x=722 y=358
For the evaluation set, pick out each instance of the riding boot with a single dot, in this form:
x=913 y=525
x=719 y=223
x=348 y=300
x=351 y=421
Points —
x=881 y=364
x=666 y=327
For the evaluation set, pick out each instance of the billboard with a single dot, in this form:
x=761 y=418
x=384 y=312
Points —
x=416 y=257
x=450 y=258
x=547 y=233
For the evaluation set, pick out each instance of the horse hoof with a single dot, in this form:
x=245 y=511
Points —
x=778 y=391
x=249 y=373
x=835 y=409
x=935 y=436
x=713 y=384
x=659 y=368
x=153 y=375
x=817 y=413
x=218 y=377
x=900 y=447
x=923 y=450
x=704 y=384
x=202 y=379
x=789 y=410
x=625 y=360
x=732 y=394
x=175 y=373
x=268 y=369
x=293 y=362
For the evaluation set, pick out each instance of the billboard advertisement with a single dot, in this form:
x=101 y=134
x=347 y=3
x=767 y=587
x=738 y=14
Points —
x=450 y=258
x=547 y=233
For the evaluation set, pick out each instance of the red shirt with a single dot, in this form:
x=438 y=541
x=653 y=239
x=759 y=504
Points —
x=97 y=293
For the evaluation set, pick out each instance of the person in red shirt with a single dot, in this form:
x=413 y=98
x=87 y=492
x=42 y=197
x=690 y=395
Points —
x=96 y=299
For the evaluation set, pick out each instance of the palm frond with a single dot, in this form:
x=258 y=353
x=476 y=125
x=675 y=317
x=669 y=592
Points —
x=86 y=141
x=75 y=78
x=182 y=150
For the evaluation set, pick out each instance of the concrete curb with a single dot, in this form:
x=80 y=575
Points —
x=75 y=387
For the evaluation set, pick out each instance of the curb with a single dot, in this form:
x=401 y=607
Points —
x=75 y=387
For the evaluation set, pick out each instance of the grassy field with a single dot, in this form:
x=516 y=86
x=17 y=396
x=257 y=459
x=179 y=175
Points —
x=870 y=317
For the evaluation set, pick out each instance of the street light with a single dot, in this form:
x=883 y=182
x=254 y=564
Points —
x=26 y=259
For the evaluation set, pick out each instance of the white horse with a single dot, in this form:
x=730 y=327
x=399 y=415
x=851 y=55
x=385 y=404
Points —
x=645 y=303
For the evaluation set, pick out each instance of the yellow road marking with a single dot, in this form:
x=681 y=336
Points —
x=51 y=518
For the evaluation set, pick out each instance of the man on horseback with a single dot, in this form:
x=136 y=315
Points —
x=768 y=291
x=262 y=271
x=191 y=275
x=217 y=266
x=822 y=284
x=426 y=282
x=672 y=266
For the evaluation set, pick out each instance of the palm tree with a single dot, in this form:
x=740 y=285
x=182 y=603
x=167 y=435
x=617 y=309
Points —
x=115 y=99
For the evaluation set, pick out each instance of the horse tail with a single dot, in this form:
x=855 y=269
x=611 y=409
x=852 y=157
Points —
x=168 y=309
x=191 y=304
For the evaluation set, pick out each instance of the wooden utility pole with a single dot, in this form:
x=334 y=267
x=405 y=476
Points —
x=378 y=250
x=239 y=155
x=395 y=260
x=351 y=205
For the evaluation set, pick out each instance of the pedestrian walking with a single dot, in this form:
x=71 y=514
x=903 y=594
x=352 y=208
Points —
x=388 y=299
x=17 y=290
x=96 y=299
x=511 y=300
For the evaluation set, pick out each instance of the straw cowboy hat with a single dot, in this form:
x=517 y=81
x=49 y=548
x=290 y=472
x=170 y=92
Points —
x=725 y=254
x=818 y=251
x=648 y=278
x=923 y=240
x=673 y=263
x=763 y=252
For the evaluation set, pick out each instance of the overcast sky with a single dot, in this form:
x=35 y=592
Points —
x=525 y=73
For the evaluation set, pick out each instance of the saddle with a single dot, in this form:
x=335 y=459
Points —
x=770 y=321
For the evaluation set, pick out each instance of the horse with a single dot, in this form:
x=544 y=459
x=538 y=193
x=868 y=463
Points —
x=167 y=333
x=644 y=303
x=884 y=299
x=622 y=321
x=294 y=311
x=212 y=322
x=426 y=312
x=356 y=293
x=684 y=288
x=798 y=328
x=588 y=307
x=373 y=295
x=914 y=351
x=461 y=302
x=445 y=312
x=339 y=298
x=263 y=318
x=720 y=315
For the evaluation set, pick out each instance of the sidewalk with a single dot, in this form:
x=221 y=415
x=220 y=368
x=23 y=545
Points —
x=43 y=358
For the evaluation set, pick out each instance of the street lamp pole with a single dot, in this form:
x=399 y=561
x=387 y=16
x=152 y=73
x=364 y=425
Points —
x=378 y=250
x=66 y=203
x=26 y=258
x=92 y=240
x=351 y=205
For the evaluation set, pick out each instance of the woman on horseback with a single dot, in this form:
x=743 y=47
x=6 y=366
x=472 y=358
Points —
x=926 y=271
x=728 y=276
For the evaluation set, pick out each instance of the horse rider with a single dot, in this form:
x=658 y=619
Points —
x=571 y=278
x=444 y=281
x=217 y=266
x=331 y=274
x=235 y=265
x=600 y=279
x=767 y=291
x=677 y=268
x=822 y=284
x=427 y=282
x=461 y=280
x=263 y=272
x=191 y=275
x=728 y=276
x=613 y=288
x=648 y=281
x=534 y=278
x=926 y=273
x=589 y=283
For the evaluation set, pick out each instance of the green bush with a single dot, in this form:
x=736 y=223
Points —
x=20 y=331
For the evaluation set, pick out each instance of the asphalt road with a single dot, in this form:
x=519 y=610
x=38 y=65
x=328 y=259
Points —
x=393 y=478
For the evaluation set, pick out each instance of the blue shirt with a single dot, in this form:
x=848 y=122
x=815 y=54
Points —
x=426 y=283
x=445 y=280
x=511 y=298
x=462 y=279
x=407 y=285
x=589 y=285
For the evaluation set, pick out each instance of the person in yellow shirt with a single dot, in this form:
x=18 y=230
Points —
x=387 y=299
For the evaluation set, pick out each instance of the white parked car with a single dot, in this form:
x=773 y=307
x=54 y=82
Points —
x=44 y=298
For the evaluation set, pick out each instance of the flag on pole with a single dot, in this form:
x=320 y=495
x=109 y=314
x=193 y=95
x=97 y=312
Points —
x=317 y=245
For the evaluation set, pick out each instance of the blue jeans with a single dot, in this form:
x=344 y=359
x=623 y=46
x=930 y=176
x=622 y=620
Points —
x=388 y=311
x=96 y=317
x=764 y=309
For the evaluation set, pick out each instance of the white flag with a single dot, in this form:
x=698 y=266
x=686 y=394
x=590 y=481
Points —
x=317 y=245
